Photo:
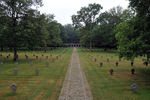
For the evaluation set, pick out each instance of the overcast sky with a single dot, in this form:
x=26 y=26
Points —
x=64 y=9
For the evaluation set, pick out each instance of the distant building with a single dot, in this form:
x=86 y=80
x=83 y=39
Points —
x=73 y=44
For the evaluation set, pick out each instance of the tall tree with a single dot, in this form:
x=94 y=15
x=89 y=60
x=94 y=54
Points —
x=133 y=35
x=15 y=10
x=86 y=19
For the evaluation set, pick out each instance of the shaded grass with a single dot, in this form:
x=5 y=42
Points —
x=46 y=85
x=118 y=86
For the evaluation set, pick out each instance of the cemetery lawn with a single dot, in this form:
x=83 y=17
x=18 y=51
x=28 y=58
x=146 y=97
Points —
x=45 y=86
x=117 y=86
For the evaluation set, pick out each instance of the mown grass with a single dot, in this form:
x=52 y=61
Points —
x=117 y=86
x=45 y=86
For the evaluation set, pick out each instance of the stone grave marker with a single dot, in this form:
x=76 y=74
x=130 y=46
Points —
x=8 y=54
x=91 y=57
x=95 y=60
x=143 y=59
x=40 y=59
x=46 y=57
x=31 y=64
x=116 y=63
x=111 y=71
x=101 y=64
x=132 y=63
x=1 y=63
x=47 y=64
x=16 y=63
x=28 y=60
x=42 y=55
x=7 y=57
x=132 y=71
x=107 y=60
x=53 y=59
x=37 y=71
x=101 y=57
x=133 y=88
x=26 y=57
x=15 y=71
x=56 y=57
x=13 y=88
x=51 y=55
x=36 y=57
x=33 y=55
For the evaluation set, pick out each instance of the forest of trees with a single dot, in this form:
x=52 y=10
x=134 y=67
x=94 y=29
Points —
x=23 y=27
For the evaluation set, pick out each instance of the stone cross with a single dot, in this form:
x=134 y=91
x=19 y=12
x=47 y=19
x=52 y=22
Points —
x=42 y=55
x=37 y=71
x=134 y=87
x=111 y=71
x=36 y=57
x=13 y=88
x=101 y=64
x=95 y=60
x=15 y=71
x=107 y=60
x=116 y=63
x=132 y=71
x=8 y=54
x=7 y=57
x=132 y=63
x=56 y=57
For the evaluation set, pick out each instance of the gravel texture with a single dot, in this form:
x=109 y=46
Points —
x=75 y=85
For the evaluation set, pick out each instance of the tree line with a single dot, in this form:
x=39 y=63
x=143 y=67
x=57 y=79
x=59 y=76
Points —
x=23 y=27
x=124 y=29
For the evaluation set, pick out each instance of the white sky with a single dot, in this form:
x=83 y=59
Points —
x=64 y=9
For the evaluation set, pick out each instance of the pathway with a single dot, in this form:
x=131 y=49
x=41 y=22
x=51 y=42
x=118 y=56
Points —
x=75 y=86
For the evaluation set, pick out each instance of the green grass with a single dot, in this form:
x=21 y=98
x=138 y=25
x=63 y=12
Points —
x=118 y=86
x=46 y=85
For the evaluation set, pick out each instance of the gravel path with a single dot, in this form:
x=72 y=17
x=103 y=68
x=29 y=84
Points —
x=75 y=86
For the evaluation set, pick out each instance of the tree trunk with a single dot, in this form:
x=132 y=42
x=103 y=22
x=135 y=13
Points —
x=44 y=48
x=2 y=48
x=90 y=45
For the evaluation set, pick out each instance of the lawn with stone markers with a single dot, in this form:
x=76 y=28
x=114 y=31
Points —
x=44 y=86
x=117 y=86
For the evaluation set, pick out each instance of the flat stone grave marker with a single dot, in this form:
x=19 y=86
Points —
x=111 y=71
x=134 y=87
x=37 y=71
x=46 y=57
x=47 y=64
x=13 y=88
x=16 y=63
x=15 y=71
x=36 y=57
x=101 y=64
x=132 y=71
x=1 y=63
x=116 y=63
x=107 y=60
x=95 y=60
x=31 y=64
x=28 y=60
x=132 y=63
x=40 y=59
